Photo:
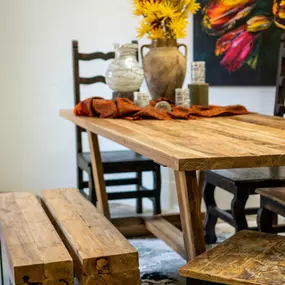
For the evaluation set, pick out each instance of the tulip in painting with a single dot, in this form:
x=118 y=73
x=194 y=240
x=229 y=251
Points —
x=246 y=34
x=238 y=44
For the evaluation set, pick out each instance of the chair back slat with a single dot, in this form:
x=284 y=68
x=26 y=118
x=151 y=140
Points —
x=96 y=55
x=92 y=80
x=77 y=80
x=76 y=72
x=279 y=109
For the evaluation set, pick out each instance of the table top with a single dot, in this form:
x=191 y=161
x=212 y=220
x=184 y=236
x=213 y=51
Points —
x=210 y=143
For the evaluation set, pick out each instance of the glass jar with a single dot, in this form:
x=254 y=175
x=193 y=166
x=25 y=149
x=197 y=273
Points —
x=124 y=74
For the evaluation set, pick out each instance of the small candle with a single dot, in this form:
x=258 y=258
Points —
x=141 y=99
x=198 y=71
x=182 y=97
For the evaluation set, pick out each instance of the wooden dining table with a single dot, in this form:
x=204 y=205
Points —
x=242 y=141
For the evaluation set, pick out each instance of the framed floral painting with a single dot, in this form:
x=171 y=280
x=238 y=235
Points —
x=239 y=40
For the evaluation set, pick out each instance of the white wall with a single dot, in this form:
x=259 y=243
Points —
x=37 y=146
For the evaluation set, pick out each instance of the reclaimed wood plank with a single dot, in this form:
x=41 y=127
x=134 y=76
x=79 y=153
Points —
x=34 y=250
x=211 y=143
x=98 y=175
x=189 y=199
x=132 y=227
x=99 y=250
x=168 y=233
x=247 y=258
x=274 y=194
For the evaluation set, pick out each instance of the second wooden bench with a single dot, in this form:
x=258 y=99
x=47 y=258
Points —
x=30 y=243
x=100 y=252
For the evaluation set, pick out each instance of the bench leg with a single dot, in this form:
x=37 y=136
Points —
x=1 y=265
x=210 y=220
x=238 y=209
x=189 y=199
x=139 y=200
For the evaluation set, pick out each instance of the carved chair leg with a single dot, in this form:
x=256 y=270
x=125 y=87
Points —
x=210 y=220
x=265 y=220
x=139 y=200
x=238 y=209
x=79 y=178
x=91 y=185
x=157 y=189
x=275 y=219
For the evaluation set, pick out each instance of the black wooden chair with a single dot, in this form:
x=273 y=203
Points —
x=243 y=182
x=113 y=161
x=272 y=202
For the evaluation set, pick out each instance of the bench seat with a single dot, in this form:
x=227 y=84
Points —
x=31 y=244
x=101 y=253
x=247 y=258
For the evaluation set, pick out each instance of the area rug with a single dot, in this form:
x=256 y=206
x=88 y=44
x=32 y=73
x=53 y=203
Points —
x=159 y=264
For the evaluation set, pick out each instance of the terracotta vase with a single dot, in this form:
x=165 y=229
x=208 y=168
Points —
x=164 y=67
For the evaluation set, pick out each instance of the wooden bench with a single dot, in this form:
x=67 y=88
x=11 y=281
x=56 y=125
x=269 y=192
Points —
x=100 y=252
x=247 y=258
x=34 y=250
x=272 y=202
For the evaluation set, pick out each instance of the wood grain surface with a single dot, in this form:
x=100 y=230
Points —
x=246 y=258
x=98 y=174
x=133 y=227
x=167 y=232
x=189 y=198
x=34 y=250
x=274 y=194
x=99 y=250
x=209 y=143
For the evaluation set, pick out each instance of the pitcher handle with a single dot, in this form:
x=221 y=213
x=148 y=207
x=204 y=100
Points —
x=143 y=47
x=186 y=49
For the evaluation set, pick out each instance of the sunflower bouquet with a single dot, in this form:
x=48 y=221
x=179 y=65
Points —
x=164 y=19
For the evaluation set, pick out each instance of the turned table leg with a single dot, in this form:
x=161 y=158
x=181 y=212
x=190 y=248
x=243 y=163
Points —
x=98 y=174
x=189 y=198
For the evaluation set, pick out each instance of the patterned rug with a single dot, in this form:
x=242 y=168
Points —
x=159 y=264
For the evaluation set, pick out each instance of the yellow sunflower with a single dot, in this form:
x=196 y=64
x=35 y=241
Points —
x=178 y=27
x=167 y=11
x=165 y=18
x=138 y=11
x=144 y=28
x=151 y=7
x=192 y=6
x=156 y=33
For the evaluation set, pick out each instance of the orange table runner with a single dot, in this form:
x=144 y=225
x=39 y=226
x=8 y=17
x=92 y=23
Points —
x=122 y=108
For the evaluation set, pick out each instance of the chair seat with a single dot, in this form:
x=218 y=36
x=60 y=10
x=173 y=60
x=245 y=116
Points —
x=253 y=177
x=120 y=161
x=274 y=194
x=247 y=258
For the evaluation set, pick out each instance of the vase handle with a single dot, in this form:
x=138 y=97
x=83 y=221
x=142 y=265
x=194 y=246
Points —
x=186 y=49
x=143 y=47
